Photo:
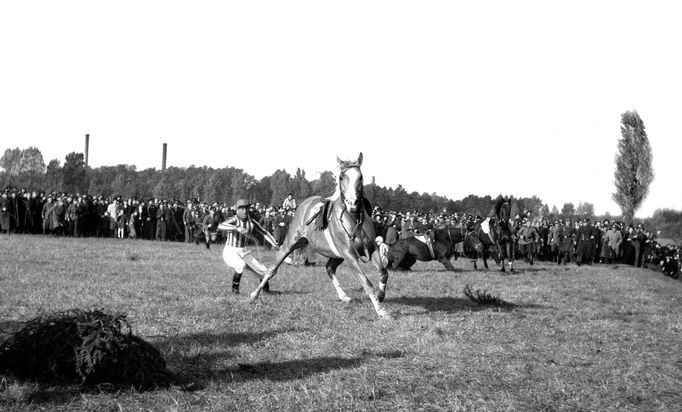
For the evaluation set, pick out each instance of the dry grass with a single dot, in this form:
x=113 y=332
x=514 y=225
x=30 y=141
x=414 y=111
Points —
x=588 y=338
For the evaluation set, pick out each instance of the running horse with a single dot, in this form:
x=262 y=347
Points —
x=497 y=230
x=339 y=228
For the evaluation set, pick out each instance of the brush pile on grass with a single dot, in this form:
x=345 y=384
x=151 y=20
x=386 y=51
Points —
x=84 y=347
x=484 y=298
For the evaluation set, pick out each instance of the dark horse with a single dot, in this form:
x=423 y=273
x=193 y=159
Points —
x=497 y=230
x=405 y=252
x=338 y=228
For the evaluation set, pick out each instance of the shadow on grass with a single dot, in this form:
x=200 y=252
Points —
x=455 y=304
x=194 y=371
x=288 y=370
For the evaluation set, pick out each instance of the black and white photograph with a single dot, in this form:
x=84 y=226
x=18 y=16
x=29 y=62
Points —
x=340 y=206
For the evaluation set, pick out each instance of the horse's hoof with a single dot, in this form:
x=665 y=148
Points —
x=253 y=297
x=346 y=299
x=386 y=315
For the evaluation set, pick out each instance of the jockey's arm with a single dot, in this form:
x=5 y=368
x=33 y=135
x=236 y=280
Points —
x=228 y=225
x=266 y=235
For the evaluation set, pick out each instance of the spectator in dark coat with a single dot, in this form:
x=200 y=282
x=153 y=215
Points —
x=6 y=213
x=585 y=243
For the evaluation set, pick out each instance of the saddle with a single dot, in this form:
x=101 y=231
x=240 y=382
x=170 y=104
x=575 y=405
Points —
x=321 y=215
x=324 y=211
x=428 y=242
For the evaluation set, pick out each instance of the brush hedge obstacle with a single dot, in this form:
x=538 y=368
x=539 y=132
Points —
x=83 y=347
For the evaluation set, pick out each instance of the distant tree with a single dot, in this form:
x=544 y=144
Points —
x=532 y=204
x=279 y=183
x=262 y=191
x=30 y=161
x=554 y=211
x=53 y=176
x=74 y=176
x=544 y=210
x=300 y=186
x=325 y=185
x=568 y=209
x=163 y=189
x=634 y=172
x=585 y=209
x=10 y=160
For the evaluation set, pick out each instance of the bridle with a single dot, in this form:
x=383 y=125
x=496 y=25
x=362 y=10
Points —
x=358 y=216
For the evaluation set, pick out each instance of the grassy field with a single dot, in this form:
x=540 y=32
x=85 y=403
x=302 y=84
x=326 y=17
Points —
x=588 y=338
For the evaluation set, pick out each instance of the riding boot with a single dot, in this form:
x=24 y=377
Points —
x=236 y=278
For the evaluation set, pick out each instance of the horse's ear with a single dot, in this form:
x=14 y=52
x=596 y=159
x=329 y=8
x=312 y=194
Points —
x=359 y=161
x=339 y=161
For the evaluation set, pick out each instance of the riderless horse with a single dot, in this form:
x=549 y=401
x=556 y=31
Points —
x=339 y=228
x=404 y=253
x=497 y=230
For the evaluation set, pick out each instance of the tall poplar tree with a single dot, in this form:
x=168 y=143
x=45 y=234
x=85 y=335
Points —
x=634 y=172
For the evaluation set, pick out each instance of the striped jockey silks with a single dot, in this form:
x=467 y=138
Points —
x=234 y=238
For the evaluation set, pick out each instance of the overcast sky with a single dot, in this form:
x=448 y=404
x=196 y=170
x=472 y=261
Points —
x=456 y=98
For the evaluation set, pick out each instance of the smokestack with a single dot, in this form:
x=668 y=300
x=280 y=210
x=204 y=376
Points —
x=374 y=180
x=163 y=158
x=87 y=148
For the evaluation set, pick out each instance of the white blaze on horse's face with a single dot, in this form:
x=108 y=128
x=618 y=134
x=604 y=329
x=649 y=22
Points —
x=350 y=185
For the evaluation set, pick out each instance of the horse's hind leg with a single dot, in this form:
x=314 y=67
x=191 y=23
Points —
x=281 y=255
x=331 y=266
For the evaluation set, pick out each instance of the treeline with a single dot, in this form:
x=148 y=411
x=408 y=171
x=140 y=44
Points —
x=668 y=222
x=24 y=168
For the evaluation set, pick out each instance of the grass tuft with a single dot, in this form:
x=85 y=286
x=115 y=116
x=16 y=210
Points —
x=484 y=298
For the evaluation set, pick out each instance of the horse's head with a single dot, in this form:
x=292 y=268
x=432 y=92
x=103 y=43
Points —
x=351 y=183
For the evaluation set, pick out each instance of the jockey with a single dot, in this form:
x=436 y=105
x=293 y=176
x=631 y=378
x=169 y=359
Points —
x=239 y=229
x=383 y=250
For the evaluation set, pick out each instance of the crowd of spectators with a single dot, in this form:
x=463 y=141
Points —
x=81 y=215
x=535 y=238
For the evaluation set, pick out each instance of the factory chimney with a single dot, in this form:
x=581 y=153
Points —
x=163 y=158
x=87 y=148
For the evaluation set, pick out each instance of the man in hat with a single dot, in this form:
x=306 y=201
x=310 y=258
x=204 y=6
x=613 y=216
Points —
x=289 y=202
x=188 y=221
x=528 y=236
x=209 y=225
x=585 y=243
x=240 y=228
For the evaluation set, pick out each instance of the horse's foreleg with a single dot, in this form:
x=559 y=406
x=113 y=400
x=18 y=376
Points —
x=367 y=286
x=331 y=266
x=283 y=253
x=502 y=258
x=446 y=262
